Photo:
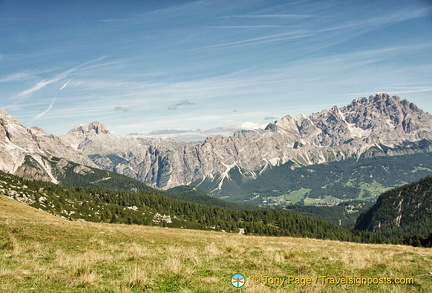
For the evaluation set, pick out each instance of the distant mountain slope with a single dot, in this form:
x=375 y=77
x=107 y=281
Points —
x=322 y=184
x=135 y=157
x=404 y=211
x=75 y=175
x=368 y=127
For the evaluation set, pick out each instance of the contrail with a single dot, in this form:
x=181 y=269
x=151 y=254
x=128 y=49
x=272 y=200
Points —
x=38 y=116
x=65 y=85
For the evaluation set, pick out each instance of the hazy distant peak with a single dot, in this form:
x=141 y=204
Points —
x=93 y=128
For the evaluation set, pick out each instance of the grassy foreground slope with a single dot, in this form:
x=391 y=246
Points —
x=43 y=253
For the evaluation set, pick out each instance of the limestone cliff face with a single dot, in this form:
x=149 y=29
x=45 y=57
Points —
x=378 y=125
x=27 y=151
x=140 y=158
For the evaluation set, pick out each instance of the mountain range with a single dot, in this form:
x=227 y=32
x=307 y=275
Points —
x=374 y=127
x=380 y=125
x=353 y=153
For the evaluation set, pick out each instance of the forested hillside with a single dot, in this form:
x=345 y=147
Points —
x=151 y=208
x=344 y=214
x=196 y=195
x=401 y=212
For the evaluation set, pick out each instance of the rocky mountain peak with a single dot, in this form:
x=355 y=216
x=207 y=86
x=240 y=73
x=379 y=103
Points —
x=93 y=128
x=86 y=132
x=383 y=96
x=19 y=145
x=6 y=119
x=3 y=113
x=381 y=117
x=382 y=113
x=383 y=103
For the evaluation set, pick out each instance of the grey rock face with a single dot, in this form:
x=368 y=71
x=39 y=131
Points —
x=18 y=143
x=380 y=123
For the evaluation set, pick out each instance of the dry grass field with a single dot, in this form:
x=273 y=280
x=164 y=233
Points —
x=43 y=253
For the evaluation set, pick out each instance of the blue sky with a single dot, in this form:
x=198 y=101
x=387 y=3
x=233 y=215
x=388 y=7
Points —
x=198 y=68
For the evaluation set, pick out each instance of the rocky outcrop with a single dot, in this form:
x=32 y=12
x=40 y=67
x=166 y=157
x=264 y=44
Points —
x=378 y=125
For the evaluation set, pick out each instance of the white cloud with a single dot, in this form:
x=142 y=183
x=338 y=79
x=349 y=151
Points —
x=251 y=126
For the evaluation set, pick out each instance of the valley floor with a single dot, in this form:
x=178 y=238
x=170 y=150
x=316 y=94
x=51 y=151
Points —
x=43 y=253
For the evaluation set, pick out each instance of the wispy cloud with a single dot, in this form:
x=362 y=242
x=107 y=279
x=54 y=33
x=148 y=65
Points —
x=38 y=86
x=264 y=26
x=271 y=16
x=43 y=83
x=316 y=35
x=115 y=20
x=209 y=131
x=262 y=58
x=65 y=85
x=13 y=19
x=170 y=131
x=391 y=90
x=260 y=40
x=182 y=103
x=40 y=115
x=15 y=77
x=407 y=90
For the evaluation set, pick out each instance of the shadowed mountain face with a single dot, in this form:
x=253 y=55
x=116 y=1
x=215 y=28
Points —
x=376 y=126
